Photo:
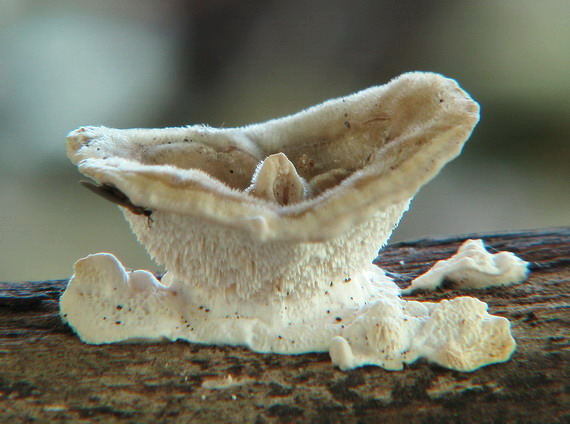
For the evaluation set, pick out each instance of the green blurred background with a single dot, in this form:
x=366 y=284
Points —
x=142 y=63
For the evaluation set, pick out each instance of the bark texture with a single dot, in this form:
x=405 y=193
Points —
x=48 y=375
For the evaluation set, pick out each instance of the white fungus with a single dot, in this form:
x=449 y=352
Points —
x=473 y=267
x=268 y=232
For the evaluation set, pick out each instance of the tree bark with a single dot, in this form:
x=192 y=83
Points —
x=48 y=374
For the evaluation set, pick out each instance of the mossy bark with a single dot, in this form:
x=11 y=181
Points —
x=48 y=374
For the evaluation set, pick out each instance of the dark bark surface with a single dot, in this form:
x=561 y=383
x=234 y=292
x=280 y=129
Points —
x=48 y=375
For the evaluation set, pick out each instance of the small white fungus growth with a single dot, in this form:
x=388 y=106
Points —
x=268 y=232
x=473 y=267
x=457 y=334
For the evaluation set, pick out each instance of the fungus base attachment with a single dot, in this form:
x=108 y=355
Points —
x=360 y=322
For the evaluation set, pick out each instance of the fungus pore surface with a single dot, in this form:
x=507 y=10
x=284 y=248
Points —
x=268 y=233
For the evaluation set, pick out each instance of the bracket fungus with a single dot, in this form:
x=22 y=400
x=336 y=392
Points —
x=268 y=232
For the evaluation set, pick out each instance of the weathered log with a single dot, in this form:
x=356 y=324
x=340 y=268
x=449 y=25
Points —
x=48 y=374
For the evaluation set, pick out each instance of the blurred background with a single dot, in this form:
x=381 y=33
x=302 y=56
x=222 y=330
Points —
x=143 y=63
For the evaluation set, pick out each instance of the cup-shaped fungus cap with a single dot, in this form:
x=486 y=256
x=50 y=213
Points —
x=352 y=156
